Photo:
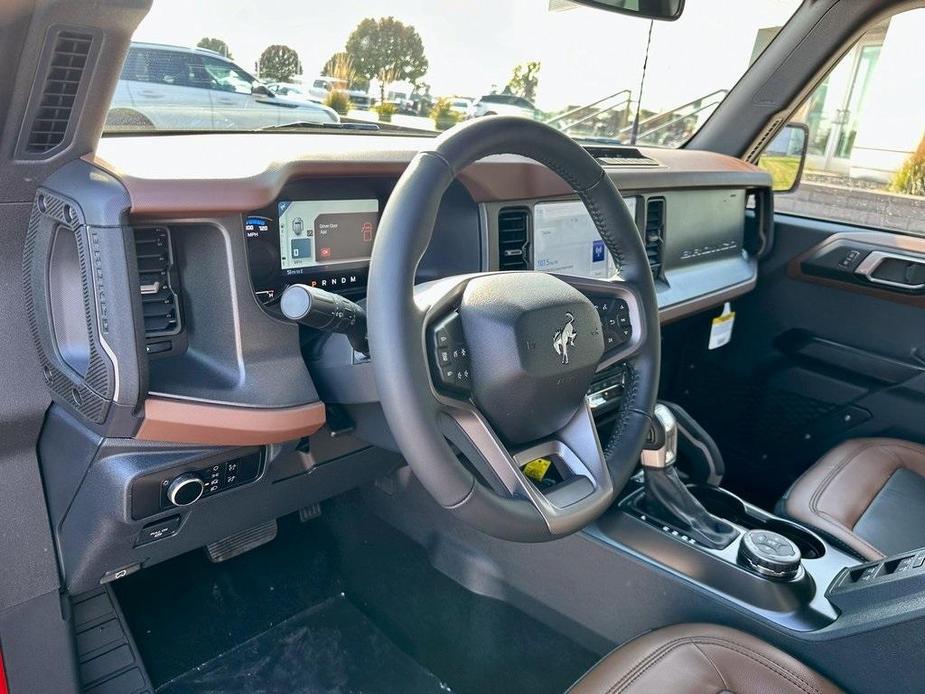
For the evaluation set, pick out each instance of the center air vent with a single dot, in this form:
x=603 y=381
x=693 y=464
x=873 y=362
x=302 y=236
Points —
x=55 y=108
x=514 y=238
x=655 y=233
x=159 y=282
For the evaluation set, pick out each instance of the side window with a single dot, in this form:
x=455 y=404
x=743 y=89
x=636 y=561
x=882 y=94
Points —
x=166 y=67
x=136 y=65
x=226 y=77
x=866 y=124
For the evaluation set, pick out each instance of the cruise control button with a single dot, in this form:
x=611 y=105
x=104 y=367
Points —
x=444 y=356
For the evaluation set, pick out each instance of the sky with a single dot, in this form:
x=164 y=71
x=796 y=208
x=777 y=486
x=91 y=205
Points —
x=473 y=45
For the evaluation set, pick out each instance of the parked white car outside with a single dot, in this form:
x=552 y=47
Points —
x=167 y=87
x=502 y=105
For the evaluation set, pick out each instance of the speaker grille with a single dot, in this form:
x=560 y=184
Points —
x=89 y=393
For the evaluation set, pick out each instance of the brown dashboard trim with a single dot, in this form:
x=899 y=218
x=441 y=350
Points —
x=182 y=421
x=209 y=174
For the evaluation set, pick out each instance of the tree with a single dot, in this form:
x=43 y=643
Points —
x=910 y=179
x=216 y=45
x=387 y=50
x=340 y=66
x=524 y=80
x=279 y=63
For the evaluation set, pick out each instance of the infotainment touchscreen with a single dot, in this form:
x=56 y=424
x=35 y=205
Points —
x=567 y=242
x=324 y=232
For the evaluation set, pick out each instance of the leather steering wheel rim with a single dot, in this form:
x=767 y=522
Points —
x=399 y=353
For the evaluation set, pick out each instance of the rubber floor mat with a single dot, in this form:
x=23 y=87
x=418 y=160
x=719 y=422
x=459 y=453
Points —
x=331 y=648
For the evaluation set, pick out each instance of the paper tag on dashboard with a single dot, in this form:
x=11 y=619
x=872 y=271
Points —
x=721 y=328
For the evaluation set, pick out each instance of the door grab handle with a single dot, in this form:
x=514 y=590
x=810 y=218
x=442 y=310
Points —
x=869 y=265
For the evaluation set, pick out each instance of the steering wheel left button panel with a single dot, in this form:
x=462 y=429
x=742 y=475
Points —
x=449 y=356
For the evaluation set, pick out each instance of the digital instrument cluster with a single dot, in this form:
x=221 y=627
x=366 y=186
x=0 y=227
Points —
x=321 y=243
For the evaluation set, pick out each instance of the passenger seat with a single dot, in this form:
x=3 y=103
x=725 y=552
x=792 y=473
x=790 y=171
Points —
x=865 y=495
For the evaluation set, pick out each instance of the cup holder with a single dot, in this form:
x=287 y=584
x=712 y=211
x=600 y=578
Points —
x=728 y=506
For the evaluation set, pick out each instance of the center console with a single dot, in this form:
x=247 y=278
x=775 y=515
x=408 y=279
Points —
x=733 y=548
x=790 y=591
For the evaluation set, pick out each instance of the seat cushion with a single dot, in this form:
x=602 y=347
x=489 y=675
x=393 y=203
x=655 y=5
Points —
x=700 y=658
x=866 y=495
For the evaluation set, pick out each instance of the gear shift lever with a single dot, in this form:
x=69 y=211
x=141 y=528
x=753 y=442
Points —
x=666 y=497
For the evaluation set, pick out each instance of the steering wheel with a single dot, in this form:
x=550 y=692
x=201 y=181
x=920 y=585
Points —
x=498 y=364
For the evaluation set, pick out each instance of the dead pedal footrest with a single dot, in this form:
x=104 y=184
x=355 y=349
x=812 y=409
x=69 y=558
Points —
x=241 y=542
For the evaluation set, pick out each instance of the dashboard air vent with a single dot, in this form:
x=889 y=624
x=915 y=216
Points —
x=655 y=233
x=159 y=282
x=514 y=238
x=59 y=92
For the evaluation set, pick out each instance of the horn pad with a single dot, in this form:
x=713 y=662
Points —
x=534 y=344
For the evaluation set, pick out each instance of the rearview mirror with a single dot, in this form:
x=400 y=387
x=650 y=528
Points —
x=666 y=10
x=784 y=157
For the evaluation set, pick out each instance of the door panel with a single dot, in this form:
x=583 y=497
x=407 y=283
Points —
x=816 y=358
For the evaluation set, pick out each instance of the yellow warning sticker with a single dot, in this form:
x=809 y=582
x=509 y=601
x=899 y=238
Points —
x=536 y=469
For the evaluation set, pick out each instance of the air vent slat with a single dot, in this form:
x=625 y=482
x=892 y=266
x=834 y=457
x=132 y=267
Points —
x=59 y=92
x=158 y=282
x=514 y=238
x=654 y=233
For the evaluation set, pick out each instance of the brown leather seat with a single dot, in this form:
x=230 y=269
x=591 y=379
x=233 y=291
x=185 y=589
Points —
x=700 y=658
x=866 y=495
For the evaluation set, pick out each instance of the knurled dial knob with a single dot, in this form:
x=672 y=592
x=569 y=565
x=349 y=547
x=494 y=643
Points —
x=770 y=554
x=185 y=489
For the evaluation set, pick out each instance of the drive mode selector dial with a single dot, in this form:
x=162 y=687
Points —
x=185 y=489
x=770 y=554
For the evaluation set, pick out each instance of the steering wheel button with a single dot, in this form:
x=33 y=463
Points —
x=444 y=356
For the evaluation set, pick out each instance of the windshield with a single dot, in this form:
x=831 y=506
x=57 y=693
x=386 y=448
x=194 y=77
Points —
x=411 y=66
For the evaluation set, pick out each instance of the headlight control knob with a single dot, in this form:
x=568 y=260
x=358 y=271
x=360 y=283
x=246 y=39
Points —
x=185 y=489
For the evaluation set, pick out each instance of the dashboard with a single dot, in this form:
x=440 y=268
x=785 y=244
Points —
x=305 y=208
x=173 y=372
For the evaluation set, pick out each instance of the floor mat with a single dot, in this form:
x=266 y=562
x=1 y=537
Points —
x=330 y=648
x=476 y=644
x=188 y=610
x=348 y=564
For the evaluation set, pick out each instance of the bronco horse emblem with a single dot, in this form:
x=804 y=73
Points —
x=565 y=338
